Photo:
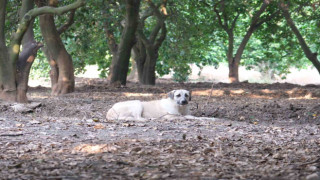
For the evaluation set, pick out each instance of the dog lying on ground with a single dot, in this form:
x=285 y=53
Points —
x=175 y=104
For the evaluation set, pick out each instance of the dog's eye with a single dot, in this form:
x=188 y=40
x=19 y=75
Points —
x=178 y=95
x=186 y=95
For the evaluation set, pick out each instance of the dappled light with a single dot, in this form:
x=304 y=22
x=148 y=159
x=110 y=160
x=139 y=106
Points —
x=263 y=94
x=207 y=92
x=94 y=148
x=16 y=48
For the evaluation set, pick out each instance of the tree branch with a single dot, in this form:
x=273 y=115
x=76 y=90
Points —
x=143 y=38
x=160 y=20
x=224 y=26
x=257 y=15
x=29 y=16
x=113 y=46
x=2 y=20
x=250 y=31
x=233 y=25
x=70 y=21
x=162 y=37
x=267 y=18
x=309 y=54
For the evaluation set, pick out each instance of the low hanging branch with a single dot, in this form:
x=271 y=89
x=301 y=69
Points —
x=28 y=17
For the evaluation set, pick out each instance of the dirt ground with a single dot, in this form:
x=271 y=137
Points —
x=259 y=131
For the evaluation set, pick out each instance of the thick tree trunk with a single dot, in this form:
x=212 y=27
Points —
x=147 y=50
x=27 y=56
x=8 y=88
x=3 y=5
x=233 y=71
x=26 y=59
x=149 y=69
x=63 y=76
x=233 y=65
x=313 y=57
x=235 y=61
x=120 y=63
x=140 y=56
x=146 y=59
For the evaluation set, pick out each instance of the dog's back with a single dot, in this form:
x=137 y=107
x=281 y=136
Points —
x=125 y=110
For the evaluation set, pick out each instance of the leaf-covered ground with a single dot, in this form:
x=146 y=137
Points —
x=260 y=131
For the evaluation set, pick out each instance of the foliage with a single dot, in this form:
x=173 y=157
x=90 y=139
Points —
x=193 y=36
x=188 y=40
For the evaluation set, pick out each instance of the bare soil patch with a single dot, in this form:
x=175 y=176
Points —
x=260 y=131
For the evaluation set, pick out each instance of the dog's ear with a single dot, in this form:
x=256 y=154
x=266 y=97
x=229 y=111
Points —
x=189 y=95
x=171 y=94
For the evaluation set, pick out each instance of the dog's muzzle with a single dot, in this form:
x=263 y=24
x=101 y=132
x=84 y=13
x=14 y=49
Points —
x=183 y=102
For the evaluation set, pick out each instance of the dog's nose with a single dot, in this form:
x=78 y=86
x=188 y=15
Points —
x=184 y=102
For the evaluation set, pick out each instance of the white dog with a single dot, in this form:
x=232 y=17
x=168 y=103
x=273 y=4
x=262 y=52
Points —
x=175 y=104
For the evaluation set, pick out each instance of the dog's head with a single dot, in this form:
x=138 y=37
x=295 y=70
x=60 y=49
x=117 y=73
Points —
x=181 y=96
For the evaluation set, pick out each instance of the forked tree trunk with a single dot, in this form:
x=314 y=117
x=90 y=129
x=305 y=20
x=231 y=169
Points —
x=147 y=48
x=234 y=61
x=146 y=58
x=62 y=72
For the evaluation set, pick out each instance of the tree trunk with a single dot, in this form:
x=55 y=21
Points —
x=140 y=56
x=235 y=61
x=233 y=66
x=233 y=71
x=133 y=76
x=62 y=72
x=27 y=56
x=313 y=57
x=120 y=63
x=8 y=88
x=149 y=68
x=148 y=48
